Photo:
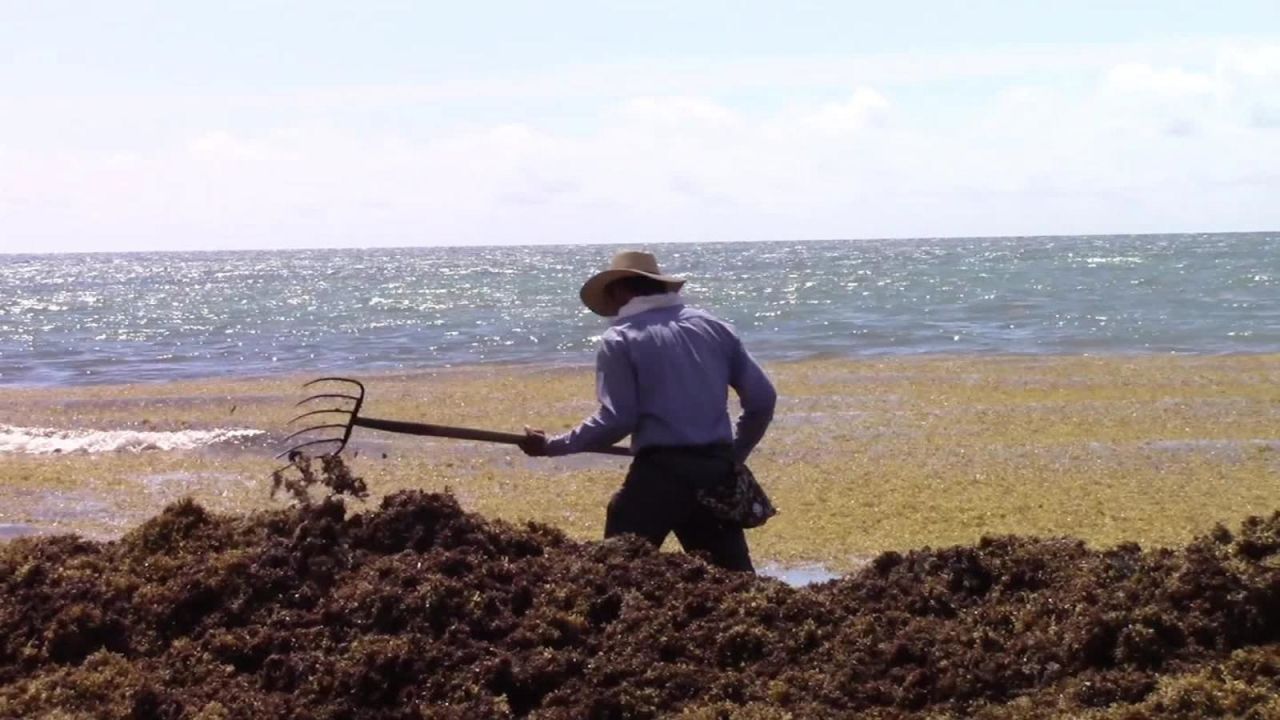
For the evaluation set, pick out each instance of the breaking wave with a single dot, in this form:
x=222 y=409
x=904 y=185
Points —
x=52 y=441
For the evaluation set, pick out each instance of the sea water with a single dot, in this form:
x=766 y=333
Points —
x=108 y=318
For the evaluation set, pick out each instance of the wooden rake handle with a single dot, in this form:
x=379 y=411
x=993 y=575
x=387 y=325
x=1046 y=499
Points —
x=459 y=433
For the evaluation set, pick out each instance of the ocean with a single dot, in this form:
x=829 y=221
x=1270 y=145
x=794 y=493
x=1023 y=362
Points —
x=138 y=317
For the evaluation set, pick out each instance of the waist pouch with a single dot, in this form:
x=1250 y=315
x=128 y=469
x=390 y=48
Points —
x=741 y=501
x=735 y=498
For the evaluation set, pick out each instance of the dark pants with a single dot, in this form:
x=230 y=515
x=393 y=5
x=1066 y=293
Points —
x=657 y=498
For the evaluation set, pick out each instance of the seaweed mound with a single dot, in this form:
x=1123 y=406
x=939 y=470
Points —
x=419 y=609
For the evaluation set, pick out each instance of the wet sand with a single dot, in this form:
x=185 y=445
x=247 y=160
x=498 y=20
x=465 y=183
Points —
x=864 y=456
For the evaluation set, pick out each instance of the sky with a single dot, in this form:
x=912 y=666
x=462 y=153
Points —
x=139 y=125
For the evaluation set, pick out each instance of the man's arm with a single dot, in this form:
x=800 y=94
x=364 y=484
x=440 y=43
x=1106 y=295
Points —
x=616 y=389
x=757 y=397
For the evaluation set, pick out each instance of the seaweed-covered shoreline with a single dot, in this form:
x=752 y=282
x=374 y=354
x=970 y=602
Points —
x=864 y=455
x=419 y=609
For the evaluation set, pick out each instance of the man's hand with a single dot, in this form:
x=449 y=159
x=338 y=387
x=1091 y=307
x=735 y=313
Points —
x=534 y=443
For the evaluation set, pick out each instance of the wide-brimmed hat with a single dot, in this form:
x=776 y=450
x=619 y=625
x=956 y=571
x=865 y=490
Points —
x=624 y=264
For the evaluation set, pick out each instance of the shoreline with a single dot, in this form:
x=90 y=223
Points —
x=587 y=362
x=864 y=455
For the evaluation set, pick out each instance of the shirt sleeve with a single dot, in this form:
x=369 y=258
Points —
x=617 y=416
x=757 y=397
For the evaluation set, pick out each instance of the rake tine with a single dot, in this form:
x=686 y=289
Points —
x=326 y=395
x=318 y=412
x=296 y=448
x=316 y=427
x=357 y=399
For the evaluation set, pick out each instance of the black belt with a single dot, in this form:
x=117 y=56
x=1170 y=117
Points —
x=714 y=450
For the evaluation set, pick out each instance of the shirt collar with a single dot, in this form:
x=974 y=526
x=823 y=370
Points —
x=643 y=303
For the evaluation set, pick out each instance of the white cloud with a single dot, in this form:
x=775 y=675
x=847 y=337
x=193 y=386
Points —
x=865 y=107
x=1144 y=80
x=1142 y=146
x=1250 y=81
x=680 y=112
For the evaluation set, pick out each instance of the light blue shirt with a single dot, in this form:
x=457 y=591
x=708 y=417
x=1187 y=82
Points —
x=663 y=377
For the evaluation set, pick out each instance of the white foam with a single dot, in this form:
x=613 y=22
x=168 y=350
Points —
x=1119 y=260
x=49 y=441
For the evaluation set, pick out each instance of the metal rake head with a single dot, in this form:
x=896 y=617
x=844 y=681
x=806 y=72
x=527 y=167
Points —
x=355 y=398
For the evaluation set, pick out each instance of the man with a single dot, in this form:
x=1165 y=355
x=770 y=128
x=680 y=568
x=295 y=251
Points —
x=663 y=373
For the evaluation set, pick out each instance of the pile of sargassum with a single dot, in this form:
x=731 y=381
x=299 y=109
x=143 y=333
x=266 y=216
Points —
x=419 y=609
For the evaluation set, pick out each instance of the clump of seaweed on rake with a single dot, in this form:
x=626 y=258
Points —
x=300 y=477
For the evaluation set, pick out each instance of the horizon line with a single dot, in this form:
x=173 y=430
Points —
x=949 y=238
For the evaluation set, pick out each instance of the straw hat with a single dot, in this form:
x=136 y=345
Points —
x=624 y=264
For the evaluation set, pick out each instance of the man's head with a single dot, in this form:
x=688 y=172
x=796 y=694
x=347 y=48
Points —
x=623 y=290
x=630 y=275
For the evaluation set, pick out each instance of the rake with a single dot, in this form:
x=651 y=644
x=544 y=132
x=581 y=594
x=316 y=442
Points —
x=349 y=404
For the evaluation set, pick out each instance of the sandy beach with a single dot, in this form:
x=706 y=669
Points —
x=864 y=455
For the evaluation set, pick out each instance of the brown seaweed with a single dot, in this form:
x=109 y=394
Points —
x=299 y=479
x=419 y=609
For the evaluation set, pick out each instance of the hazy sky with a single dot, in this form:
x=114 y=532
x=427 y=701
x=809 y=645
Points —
x=237 y=124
